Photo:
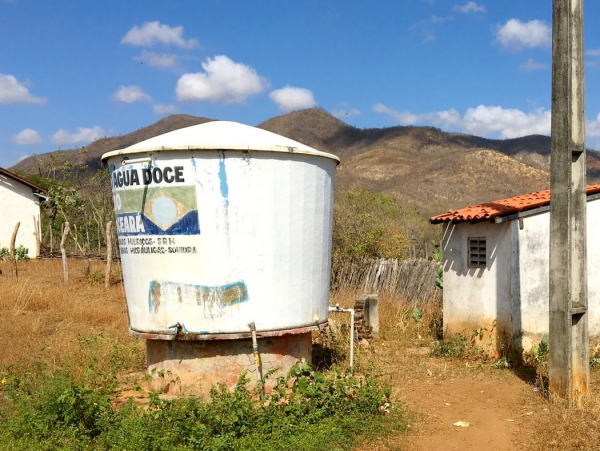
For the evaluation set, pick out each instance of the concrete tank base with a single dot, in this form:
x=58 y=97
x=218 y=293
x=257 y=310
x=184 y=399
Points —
x=182 y=367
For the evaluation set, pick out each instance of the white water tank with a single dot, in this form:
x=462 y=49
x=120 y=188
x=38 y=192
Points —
x=222 y=224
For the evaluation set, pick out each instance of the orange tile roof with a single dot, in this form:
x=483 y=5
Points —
x=503 y=207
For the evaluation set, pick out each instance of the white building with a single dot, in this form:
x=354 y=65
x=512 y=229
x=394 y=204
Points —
x=496 y=276
x=19 y=202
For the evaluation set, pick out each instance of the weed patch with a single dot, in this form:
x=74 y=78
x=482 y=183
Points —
x=46 y=408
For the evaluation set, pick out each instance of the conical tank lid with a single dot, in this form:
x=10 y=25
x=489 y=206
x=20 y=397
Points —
x=220 y=135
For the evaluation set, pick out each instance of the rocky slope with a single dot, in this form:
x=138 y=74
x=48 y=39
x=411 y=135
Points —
x=422 y=166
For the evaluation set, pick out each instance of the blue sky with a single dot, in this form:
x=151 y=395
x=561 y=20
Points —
x=74 y=71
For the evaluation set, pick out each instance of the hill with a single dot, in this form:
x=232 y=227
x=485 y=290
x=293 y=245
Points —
x=90 y=156
x=422 y=166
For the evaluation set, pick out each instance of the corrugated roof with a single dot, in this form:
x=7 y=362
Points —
x=24 y=181
x=502 y=207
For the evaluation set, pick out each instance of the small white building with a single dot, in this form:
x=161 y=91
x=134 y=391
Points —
x=496 y=276
x=19 y=202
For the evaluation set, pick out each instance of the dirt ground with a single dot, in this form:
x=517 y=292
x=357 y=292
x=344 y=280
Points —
x=496 y=406
x=499 y=408
x=41 y=317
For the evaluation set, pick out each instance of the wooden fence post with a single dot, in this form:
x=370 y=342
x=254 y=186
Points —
x=108 y=254
x=66 y=231
x=51 y=224
x=38 y=243
x=13 y=257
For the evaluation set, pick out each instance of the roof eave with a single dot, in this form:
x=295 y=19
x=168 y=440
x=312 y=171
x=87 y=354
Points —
x=24 y=181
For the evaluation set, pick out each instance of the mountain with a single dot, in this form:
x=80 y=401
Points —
x=90 y=155
x=422 y=166
x=533 y=150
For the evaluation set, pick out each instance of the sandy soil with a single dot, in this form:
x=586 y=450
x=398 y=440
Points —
x=500 y=407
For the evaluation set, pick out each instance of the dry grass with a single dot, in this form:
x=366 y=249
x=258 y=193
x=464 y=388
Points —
x=571 y=429
x=395 y=315
x=41 y=318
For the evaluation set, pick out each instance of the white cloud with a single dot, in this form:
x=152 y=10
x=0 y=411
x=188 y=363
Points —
x=426 y=26
x=483 y=120
x=440 y=19
x=163 y=110
x=223 y=81
x=531 y=65
x=153 y=59
x=447 y=118
x=517 y=35
x=469 y=7
x=592 y=52
x=592 y=128
x=432 y=20
x=27 y=137
x=508 y=122
x=131 y=94
x=344 y=110
x=152 y=33
x=83 y=135
x=291 y=98
x=428 y=37
x=14 y=91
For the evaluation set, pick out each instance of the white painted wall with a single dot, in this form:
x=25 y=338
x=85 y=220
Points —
x=18 y=204
x=477 y=298
x=513 y=289
x=532 y=316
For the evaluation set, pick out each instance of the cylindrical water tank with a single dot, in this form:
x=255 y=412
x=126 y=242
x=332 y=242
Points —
x=222 y=224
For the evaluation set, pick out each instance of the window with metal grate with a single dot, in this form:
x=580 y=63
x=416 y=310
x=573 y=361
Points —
x=477 y=252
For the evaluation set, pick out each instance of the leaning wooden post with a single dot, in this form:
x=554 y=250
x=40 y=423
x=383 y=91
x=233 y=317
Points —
x=13 y=256
x=38 y=244
x=568 y=328
x=108 y=254
x=51 y=237
x=66 y=231
x=74 y=235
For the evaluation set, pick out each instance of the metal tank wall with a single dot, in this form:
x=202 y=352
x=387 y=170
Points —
x=211 y=240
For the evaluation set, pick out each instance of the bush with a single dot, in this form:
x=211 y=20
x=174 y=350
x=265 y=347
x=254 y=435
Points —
x=307 y=410
x=370 y=225
x=21 y=253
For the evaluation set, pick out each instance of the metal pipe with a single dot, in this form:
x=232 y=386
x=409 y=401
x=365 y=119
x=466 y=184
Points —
x=41 y=196
x=337 y=308
x=257 y=358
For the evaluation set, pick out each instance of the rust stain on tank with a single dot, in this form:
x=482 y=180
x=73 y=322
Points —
x=214 y=301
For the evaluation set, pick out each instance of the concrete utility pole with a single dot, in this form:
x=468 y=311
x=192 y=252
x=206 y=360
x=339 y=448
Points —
x=568 y=340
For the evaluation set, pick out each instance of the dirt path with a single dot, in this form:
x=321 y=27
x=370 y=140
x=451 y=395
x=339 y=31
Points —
x=499 y=407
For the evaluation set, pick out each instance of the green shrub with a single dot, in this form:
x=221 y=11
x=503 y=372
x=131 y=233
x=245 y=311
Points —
x=21 y=253
x=96 y=277
x=457 y=347
x=437 y=255
x=371 y=225
x=306 y=410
